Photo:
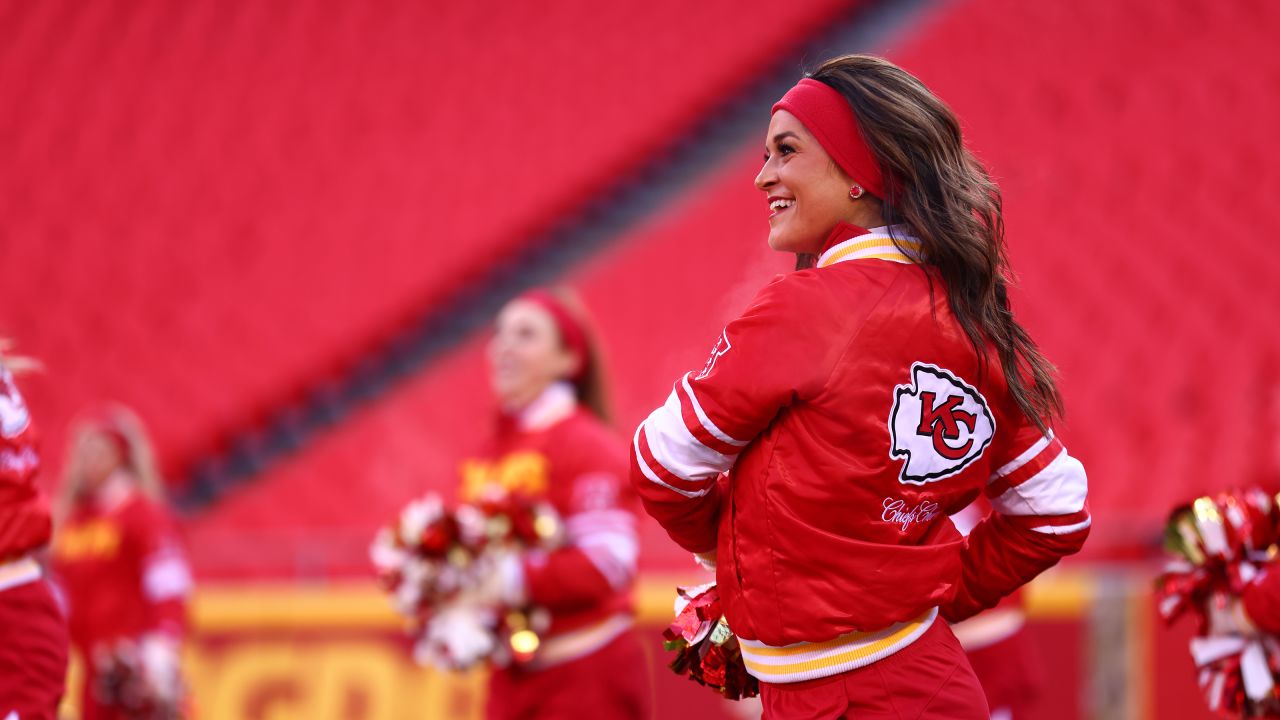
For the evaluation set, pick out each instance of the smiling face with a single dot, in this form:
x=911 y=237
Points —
x=807 y=193
x=526 y=354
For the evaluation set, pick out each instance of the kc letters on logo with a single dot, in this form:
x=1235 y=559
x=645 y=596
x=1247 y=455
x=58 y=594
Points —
x=939 y=424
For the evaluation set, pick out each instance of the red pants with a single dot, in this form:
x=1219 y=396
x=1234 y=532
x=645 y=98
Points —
x=928 y=680
x=33 y=652
x=612 y=683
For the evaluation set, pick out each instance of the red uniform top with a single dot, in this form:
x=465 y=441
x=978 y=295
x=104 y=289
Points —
x=24 y=511
x=848 y=408
x=558 y=451
x=123 y=571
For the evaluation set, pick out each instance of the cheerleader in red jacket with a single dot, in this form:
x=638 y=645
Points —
x=126 y=579
x=856 y=403
x=553 y=442
x=33 y=632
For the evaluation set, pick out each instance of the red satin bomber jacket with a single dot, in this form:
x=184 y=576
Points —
x=837 y=423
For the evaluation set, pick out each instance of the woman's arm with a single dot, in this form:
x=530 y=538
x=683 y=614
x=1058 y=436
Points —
x=1040 y=515
x=166 y=576
x=600 y=557
x=781 y=349
x=166 y=586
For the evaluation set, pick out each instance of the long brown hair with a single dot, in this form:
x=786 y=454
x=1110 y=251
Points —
x=593 y=385
x=939 y=190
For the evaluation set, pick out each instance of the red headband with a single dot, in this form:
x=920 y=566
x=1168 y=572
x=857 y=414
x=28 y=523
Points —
x=826 y=114
x=572 y=333
x=111 y=430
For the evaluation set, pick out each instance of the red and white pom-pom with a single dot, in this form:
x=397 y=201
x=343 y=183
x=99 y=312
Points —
x=141 y=677
x=457 y=637
x=454 y=573
x=1217 y=543
x=706 y=649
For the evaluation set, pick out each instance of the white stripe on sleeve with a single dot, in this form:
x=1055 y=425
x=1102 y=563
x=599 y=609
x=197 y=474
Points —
x=710 y=426
x=608 y=538
x=1024 y=458
x=677 y=449
x=604 y=520
x=166 y=576
x=1063 y=529
x=653 y=477
x=1059 y=489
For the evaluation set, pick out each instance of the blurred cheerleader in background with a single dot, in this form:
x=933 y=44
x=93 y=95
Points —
x=552 y=442
x=118 y=559
x=33 y=632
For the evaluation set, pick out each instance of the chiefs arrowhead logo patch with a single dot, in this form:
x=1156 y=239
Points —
x=722 y=346
x=939 y=425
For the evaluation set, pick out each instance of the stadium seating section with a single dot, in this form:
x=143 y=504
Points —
x=209 y=207
x=220 y=202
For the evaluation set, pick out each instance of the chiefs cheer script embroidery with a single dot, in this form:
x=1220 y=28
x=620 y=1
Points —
x=939 y=424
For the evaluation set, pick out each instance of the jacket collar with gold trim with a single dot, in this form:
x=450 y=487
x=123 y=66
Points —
x=850 y=242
